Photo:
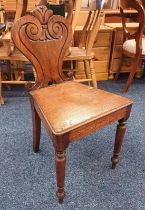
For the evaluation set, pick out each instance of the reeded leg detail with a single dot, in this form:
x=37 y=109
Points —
x=120 y=132
x=60 y=160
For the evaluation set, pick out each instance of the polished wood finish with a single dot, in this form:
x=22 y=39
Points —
x=68 y=110
x=49 y=69
x=135 y=4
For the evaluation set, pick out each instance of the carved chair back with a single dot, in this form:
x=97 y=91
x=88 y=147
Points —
x=136 y=5
x=44 y=39
x=90 y=30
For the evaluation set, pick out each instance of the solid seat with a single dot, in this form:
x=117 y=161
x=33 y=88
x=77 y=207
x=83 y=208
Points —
x=62 y=105
x=130 y=46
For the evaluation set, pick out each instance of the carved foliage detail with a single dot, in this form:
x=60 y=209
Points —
x=52 y=27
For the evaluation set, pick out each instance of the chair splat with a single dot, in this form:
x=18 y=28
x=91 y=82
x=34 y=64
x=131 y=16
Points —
x=54 y=38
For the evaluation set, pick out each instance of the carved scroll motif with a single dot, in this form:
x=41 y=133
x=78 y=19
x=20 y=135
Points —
x=43 y=38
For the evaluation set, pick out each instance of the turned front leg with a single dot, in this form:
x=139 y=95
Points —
x=60 y=160
x=120 y=132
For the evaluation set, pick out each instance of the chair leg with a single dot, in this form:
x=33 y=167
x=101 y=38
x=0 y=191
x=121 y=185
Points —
x=132 y=73
x=119 y=69
x=36 y=127
x=1 y=98
x=9 y=70
x=60 y=160
x=87 y=70
x=120 y=132
x=93 y=75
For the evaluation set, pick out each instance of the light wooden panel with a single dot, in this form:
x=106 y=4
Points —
x=10 y=5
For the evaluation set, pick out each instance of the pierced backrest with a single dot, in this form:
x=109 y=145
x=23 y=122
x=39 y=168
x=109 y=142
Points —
x=91 y=28
x=44 y=39
x=136 y=5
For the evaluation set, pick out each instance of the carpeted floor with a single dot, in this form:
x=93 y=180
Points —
x=27 y=180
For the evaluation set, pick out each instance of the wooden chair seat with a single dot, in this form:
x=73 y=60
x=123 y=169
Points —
x=130 y=46
x=77 y=54
x=62 y=106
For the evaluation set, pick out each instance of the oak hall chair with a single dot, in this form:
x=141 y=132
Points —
x=83 y=52
x=69 y=110
x=133 y=44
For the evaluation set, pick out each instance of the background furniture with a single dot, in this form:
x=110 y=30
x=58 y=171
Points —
x=133 y=44
x=116 y=54
x=8 y=53
x=109 y=40
x=83 y=52
x=102 y=51
x=68 y=110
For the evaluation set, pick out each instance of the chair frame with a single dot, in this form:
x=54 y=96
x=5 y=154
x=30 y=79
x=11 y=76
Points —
x=49 y=69
x=135 y=4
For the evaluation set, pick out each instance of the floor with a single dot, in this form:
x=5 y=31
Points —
x=27 y=180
